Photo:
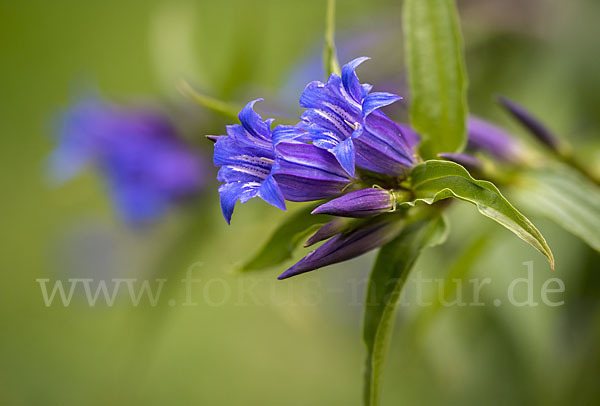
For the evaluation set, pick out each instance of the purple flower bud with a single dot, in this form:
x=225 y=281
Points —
x=535 y=126
x=337 y=225
x=468 y=161
x=345 y=246
x=487 y=137
x=360 y=203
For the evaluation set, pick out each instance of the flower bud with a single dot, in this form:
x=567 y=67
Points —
x=494 y=140
x=535 y=126
x=345 y=246
x=360 y=203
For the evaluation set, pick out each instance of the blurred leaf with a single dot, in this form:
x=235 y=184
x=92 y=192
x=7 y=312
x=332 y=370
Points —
x=388 y=277
x=458 y=272
x=437 y=77
x=565 y=197
x=220 y=107
x=436 y=180
x=330 y=60
x=286 y=238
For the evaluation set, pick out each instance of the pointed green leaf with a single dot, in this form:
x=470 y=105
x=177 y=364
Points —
x=565 y=197
x=436 y=180
x=329 y=53
x=286 y=238
x=388 y=277
x=437 y=78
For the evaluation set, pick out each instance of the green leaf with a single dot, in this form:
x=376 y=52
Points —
x=220 y=107
x=437 y=77
x=436 y=180
x=286 y=238
x=329 y=53
x=565 y=197
x=389 y=274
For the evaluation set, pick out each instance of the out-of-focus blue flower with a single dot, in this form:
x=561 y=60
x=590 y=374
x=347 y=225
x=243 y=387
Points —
x=487 y=137
x=343 y=117
x=146 y=164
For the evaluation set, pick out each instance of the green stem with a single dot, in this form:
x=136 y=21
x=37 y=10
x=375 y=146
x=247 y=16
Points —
x=569 y=159
x=329 y=54
x=220 y=107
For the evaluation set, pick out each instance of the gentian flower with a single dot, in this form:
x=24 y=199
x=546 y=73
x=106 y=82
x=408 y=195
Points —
x=343 y=117
x=246 y=156
x=146 y=164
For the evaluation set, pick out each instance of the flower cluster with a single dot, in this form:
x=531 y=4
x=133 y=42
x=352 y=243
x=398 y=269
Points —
x=146 y=164
x=344 y=149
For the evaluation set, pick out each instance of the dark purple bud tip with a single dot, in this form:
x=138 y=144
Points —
x=468 y=161
x=535 y=126
x=213 y=138
x=360 y=203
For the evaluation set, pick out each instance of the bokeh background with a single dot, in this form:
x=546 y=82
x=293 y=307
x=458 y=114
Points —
x=251 y=339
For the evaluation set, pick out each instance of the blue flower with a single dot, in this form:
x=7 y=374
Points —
x=343 y=118
x=146 y=164
x=246 y=156
x=273 y=165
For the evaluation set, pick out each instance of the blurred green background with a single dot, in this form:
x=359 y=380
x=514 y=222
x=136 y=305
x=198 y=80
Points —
x=251 y=339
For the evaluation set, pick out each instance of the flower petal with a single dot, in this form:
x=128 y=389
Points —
x=350 y=80
x=232 y=192
x=305 y=172
x=344 y=153
x=271 y=193
x=377 y=100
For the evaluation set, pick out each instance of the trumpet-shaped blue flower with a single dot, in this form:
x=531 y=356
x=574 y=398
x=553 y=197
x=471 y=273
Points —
x=246 y=156
x=343 y=117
